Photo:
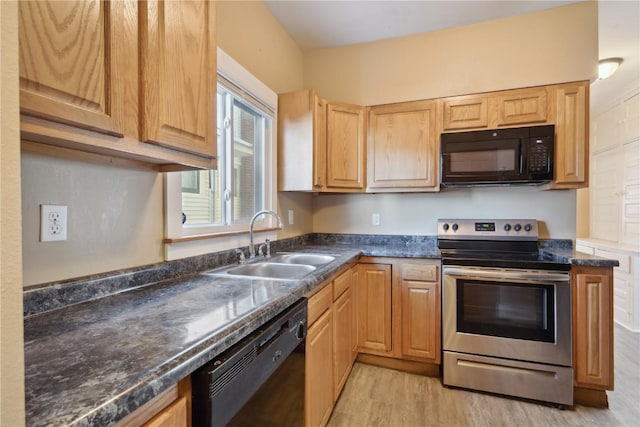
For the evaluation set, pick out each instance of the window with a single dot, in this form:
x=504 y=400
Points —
x=224 y=199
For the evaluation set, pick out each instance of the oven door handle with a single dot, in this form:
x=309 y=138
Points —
x=538 y=276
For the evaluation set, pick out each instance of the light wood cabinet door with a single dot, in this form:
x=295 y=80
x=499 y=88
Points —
x=522 y=106
x=175 y=415
x=319 y=391
x=345 y=146
x=374 y=309
x=403 y=145
x=354 y=320
x=302 y=145
x=592 y=301
x=171 y=408
x=465 y=112
x=572 y=135
x=319 y=143
x=421 y=320
x=178 y=75
x=70 y=71
x=343 y=308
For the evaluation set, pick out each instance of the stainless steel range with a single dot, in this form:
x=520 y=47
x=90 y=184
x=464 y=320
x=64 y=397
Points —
x=506 y=312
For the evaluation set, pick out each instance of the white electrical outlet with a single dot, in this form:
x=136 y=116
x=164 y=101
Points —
x=53 y=223
x=375 y=219
x=290 y=216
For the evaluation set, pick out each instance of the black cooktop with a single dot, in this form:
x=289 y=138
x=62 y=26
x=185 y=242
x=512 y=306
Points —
x=498 y=243
x=500 y=254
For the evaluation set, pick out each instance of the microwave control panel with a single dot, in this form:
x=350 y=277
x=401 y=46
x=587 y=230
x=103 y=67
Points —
x=538 y=158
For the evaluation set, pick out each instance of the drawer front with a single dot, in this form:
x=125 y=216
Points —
x=318 y=304
x=341 y=283
x=623 y=259
x=420 y=272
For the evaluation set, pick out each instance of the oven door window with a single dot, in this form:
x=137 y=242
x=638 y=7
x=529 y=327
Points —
x=502 y=309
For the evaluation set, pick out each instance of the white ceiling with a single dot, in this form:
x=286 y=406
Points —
x=328 y=23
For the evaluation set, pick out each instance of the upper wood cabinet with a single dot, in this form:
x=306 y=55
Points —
x=572 y=135
x=403 y=146
x=345 y=146
x=109 y=77
x=497 y=109
x=465 y=112
x=302 y=147
x=321 y=144
x=522 y=106
x=178 y=75
x=70 y=71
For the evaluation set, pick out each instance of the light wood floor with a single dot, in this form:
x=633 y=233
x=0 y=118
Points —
x=376 y=396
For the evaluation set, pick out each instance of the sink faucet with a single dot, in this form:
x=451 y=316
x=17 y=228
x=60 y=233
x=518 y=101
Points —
x=252 y=248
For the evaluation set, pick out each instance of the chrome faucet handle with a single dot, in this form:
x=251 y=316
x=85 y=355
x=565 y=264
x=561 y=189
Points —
x=241 y=257
x=261 y=249
x=267 y=244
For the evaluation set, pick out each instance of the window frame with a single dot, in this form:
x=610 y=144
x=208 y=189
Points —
x=249 y=89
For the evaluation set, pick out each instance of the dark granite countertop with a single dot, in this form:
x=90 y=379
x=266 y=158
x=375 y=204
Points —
x=93 y=361
x=565 y=254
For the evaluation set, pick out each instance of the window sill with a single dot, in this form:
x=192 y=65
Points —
x=214 y=235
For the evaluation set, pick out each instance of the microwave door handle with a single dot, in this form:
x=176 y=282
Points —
x=521 y=155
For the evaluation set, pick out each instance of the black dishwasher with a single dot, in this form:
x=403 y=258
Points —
x=222 y=388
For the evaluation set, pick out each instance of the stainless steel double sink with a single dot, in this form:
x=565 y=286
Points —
x=281 y=266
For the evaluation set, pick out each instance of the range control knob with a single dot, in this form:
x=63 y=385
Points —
x=454 y=227
x=527 y=227
x=517 y=227
x=507 y=227
x=445 y=226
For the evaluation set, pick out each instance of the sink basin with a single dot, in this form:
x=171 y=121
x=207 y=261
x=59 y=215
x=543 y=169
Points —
x=302 y=258
x=269 y=270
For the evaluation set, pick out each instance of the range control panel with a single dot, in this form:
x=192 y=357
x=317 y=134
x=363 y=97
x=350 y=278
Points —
x=488 y=229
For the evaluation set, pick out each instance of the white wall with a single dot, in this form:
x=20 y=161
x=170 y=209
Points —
x=418 y=213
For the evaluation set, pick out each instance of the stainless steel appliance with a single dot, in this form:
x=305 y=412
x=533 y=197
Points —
x=506 y=312
x=238 y=385
x=497 y=157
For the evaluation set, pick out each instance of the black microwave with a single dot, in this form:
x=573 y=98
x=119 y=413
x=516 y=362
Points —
x=497 y=157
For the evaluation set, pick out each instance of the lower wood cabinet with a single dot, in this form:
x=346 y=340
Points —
x=173 y=415
x=592 y=311
x=330 y=343
x=374 y=309
x=171 y=408
x=399 y=310
x=318 y=371
x=420 y=318
x=343 y=330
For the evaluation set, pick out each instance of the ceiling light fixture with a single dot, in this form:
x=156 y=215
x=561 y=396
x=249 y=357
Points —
x=606 y=67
